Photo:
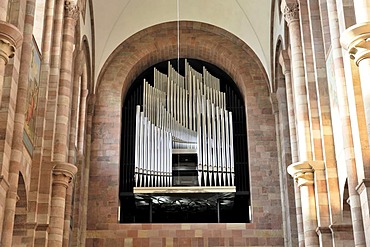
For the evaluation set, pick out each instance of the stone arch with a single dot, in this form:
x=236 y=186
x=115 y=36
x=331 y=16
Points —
x=197 y=40
x=158 y=43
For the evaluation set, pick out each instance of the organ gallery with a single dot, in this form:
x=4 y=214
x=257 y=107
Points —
x=184 y=145
x=195 y=123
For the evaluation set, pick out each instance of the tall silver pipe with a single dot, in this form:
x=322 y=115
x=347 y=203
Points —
x=195 y=102
x=228 y=174
x=181 y=109
x=150 y=153
x=204 y=135
x=145 y=153
x=190 y=110
x=199 y=146
x=209 y=146
x=164 y=163
x=219 y=156
x=170 y=163
x=141 y=150
x=231 y=149
x=137 y=142
x=223 y=147
x=214 y=151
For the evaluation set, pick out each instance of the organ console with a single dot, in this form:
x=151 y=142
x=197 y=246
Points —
x=183 y=125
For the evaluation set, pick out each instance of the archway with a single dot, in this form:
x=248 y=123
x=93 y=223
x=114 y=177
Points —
x=198 y=41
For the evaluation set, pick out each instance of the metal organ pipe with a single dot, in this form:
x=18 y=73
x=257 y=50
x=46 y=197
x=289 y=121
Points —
x=187 y=113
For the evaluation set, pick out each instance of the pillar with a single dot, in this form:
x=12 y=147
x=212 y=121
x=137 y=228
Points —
x=346 y=124
x=291 y=15
x=65 y=84
x=302 y=123
x=303 y=174
x=10 y=40
x=284 y=61
x=63 y=174
x=356 y=40
x=19 y=119
x=3 y=9
x=64 y=101
x=41 y=167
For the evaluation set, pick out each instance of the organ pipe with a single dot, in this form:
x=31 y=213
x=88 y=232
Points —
x=185 y=113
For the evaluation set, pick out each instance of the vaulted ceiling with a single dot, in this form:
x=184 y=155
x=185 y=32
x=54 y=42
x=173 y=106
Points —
x=116 y=20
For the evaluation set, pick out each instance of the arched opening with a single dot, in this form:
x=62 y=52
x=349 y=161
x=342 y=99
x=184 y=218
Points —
x=186 y=169
x=151 y=46
x=20 y=220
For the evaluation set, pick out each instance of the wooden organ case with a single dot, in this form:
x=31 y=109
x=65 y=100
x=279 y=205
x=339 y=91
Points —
x=182 y=161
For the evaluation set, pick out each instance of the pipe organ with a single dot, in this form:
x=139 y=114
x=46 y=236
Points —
x=183 y=116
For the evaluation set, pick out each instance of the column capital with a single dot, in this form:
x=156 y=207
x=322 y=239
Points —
x=302 y=172
x=290 y=11
x=71 y=10
x=63 y=173
x=10 y=40
x=356 y=40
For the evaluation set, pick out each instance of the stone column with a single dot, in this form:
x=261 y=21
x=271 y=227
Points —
x=3 y=10
x=348 y=142
x=10 y=40
x=65 y=84
x=300 y=101
x=291 y=15
x=19 y=119
x=356 y=40
x=63 y=174
x=322 y=210
x=41 y=167
x=86 y=172
x=285 y=66
x=303 y=173
x=64 y=102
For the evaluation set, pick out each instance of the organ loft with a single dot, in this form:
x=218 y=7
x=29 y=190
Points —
x=176 y=123
x=183 y=148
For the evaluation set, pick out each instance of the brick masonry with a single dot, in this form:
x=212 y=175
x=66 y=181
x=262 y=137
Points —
x=216 y=46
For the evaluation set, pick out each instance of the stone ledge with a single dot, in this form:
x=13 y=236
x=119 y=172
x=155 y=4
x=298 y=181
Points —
x=365 y=183
x=356 y=39
x=10 y=39
x=323 y=230
x=341 y=228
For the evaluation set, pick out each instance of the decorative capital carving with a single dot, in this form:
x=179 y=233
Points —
x=71 y=10
x=10 y=40
x=356 y=40
x=291 y=12
x=302 y=172
x=63 y=173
